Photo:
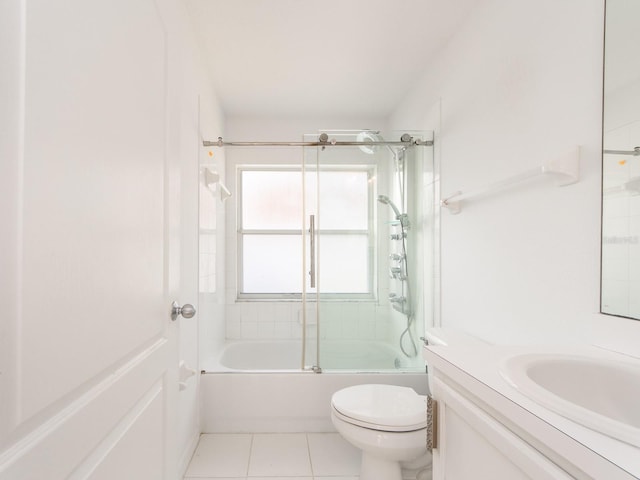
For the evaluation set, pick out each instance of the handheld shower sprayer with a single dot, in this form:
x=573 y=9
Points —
x=403 y=217
x=387 y=201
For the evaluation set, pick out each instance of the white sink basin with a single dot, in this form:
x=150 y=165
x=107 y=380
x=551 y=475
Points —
x=601 y=394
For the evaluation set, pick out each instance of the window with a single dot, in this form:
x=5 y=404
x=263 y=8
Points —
x=270 y=240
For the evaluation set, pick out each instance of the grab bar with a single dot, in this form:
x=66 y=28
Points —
x=565 y=166
x=635 y=152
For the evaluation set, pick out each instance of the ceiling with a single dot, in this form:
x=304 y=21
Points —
x=286 y=58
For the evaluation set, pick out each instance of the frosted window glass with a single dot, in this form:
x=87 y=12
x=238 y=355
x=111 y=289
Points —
x=311 y=196
x=272 y=263
x=344 y=200
x=344 y=264
x=271 y=200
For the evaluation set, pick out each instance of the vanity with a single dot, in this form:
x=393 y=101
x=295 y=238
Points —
x=511 y=413
x=488 y=426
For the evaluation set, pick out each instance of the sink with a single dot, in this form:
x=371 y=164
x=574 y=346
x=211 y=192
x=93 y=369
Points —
x=601 y=394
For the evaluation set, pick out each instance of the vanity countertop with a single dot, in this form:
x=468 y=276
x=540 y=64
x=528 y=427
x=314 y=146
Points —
x=477 y=370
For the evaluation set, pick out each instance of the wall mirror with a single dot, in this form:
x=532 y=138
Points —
x=620 y=285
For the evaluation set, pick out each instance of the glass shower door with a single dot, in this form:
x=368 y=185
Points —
x=310 y=308
x=368 y=252
x=339 y=195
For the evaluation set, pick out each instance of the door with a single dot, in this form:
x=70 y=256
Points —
x=310 y=256
x=340 y=183
x=91 y=242
x=366 y=309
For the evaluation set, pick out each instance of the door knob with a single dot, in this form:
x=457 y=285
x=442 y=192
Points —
x=187 y=310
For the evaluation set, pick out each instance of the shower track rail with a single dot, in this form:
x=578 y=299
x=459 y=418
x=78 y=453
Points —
x=327 y=143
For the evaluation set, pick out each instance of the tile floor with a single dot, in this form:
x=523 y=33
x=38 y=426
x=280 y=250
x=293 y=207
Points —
x=269 y=456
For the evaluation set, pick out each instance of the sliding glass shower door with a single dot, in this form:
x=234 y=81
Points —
x=339 y=184
x=365 y=295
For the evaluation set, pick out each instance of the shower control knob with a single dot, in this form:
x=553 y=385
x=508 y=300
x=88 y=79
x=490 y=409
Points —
x=187 y=310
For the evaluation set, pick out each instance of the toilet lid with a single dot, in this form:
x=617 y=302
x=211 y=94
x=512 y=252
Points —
x=380 y=406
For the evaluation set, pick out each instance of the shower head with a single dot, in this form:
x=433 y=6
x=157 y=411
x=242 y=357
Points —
x=369 y=136
x=387 y=201
x=403 y=217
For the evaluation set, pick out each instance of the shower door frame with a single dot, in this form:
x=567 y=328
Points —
x=314 y=160
x=316 y=165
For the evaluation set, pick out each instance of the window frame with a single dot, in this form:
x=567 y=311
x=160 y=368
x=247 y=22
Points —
x=371 y=295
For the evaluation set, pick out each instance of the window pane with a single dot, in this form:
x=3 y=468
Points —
x=272 y=263
x=271 y=200
x=344 y=264
x=344 y=200
x=311 y=196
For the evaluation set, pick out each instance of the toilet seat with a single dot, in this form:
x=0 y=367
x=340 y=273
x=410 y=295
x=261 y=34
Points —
x=389 y=408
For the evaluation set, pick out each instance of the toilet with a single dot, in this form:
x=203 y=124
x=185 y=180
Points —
x=388 y=422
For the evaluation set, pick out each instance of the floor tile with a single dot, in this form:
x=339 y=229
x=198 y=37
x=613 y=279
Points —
x=221 y=455
x=284 y=478
x=331 y=455
x=333 y=478
x=280 y=454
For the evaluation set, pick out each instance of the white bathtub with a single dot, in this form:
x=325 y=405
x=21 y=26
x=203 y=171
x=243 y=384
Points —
x=257 y=386
x=279 y=355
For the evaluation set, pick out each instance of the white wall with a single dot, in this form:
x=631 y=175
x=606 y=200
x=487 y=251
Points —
x=11 y=150
x=213 y=256
x=519 y=84
x=200 y=117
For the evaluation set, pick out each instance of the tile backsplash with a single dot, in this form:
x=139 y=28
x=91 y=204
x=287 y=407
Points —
x=254 y=320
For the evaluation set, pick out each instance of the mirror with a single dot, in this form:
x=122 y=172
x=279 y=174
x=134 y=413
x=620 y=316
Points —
x=620 y=285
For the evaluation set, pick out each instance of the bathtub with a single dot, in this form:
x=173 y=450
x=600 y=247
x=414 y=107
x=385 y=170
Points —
x=257 y=386
x=258 y=355
x=278 y=355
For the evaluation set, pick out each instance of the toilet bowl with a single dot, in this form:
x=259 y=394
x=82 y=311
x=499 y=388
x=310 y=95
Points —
x=387 y=422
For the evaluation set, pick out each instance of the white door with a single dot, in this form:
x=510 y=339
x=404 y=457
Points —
x=90 y=254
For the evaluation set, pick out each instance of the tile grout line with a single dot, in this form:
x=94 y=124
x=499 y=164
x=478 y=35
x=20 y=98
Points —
x=250 y=452
x=312 y=474
x=306 y=436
